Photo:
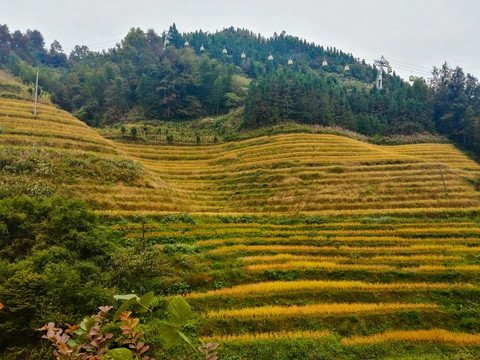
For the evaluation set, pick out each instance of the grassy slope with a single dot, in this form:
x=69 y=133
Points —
x=11 y=88
x=280 y=174
x=56 y=154
x=312 y=173
x=431 y=263
x=267 y=288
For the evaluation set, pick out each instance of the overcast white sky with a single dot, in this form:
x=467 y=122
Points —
x=414 y=35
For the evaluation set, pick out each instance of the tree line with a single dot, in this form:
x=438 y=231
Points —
x=311 y=98
x=141 y=76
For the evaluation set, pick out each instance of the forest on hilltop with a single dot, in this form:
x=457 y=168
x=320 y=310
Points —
x=193 y=75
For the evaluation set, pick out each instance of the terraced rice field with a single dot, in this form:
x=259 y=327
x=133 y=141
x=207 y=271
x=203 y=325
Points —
x=316 y=238
x=284 y=174
x=348 y=282
x=57 y=140
x=310 y=173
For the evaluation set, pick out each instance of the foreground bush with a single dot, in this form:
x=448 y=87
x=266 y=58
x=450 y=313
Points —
x=53 y=257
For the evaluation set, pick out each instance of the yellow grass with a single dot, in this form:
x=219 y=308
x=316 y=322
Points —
x=323 y=265
x=439 y=336
x=267 y=248
x=440 y=268
x=312 y=285
x=268 y=336
x=312 y=173
x=342 y=239
x=17 y=117
x=370 y=259
x=419 y=225
x=56 y=143
x=57 y=130
x=379 y=232
x=205 y=170
x=429 y=248
x=316 y=309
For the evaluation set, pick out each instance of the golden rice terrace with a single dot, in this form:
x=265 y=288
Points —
x=307 y=173
x=358 y=284
x=320 y=242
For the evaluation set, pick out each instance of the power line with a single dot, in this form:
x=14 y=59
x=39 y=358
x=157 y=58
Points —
x=96 y=45
x=407 y=66
x=356 y=187
x=460 y=176
x=412 y=65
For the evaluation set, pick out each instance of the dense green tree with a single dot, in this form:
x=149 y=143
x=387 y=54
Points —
x=36 y=46
x=178 y=83
x=183 y=83
x=56 y=56
x=456 y=99
x=5 y=42
x=174 y=37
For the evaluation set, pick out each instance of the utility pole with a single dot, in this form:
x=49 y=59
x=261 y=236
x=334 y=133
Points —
x=166 y=36
x=380 y=65
x=443 y=179
x=36 y=95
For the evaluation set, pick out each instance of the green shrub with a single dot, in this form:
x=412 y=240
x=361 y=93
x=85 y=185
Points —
x=21 y=295
x=314 y=220
x=186 y=249
x=139 y=272
x=241 y=219
x=9 y=95
x=179 y=288
x=54 y=254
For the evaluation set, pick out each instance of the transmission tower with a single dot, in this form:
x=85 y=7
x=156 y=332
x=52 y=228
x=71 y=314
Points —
x=380 y=65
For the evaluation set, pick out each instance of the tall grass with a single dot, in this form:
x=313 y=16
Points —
x=269 y=336
x=440 y=336
x=316 y=285
x=316 y=309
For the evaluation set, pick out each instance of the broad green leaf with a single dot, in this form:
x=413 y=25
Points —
x=118 y=354
x=79 y=331
x=125 y=297
x=87 y=323
x=179 y=311
x=144 y=302
x=124 y=307
x=72 y=343
x=169 y=334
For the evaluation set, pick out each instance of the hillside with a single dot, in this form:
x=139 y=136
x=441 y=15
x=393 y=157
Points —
x=320 y=243
x=56 y=154
x=327 y=288
x=248 y=175
x=281 y=174
x=324 y=174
